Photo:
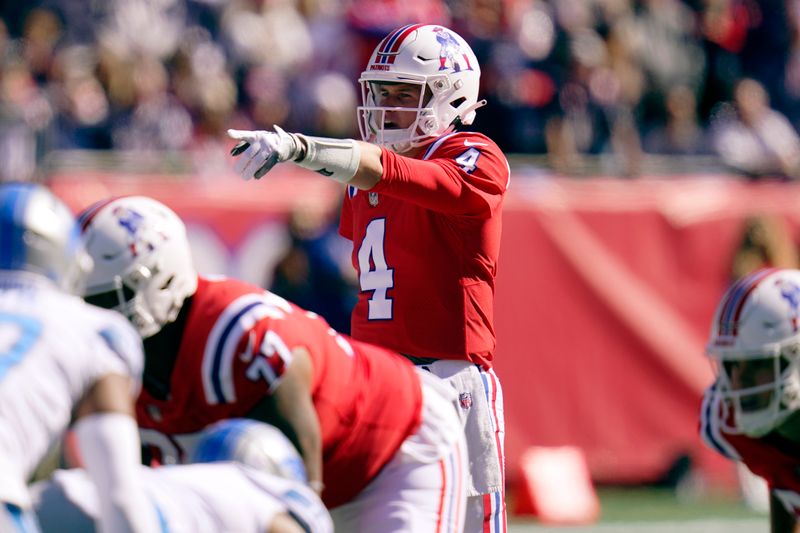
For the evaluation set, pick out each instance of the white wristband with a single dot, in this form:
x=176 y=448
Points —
x=337 y=159
x=109 y=448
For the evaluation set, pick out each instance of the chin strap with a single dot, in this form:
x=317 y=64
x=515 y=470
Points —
x=477 y=105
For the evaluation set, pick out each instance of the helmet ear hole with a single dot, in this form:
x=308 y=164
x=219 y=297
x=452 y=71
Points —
x=429 y=124
x=455 y=104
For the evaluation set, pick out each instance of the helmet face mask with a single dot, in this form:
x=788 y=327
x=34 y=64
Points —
x=386 y=125
x=441 y=63
x=762 y=391
x=144 y=266
x=755 y=345
x=129 y=295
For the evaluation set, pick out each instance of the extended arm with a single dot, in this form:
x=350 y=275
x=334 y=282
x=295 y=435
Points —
x=345 y=160
x=470 y=179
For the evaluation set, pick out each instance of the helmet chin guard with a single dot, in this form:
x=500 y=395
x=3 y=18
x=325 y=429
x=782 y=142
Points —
x=143 y=261
x=441 y=63
x=755 y=344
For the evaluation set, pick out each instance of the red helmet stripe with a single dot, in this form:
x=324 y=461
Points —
x=737 y=297
x=402 y=37
x=390 y=39
x=391 y=44
x=88 y=214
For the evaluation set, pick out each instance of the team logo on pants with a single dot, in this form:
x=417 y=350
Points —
x=465 y=400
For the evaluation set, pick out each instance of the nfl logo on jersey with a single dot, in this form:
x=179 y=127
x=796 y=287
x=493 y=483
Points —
x=373 y=199
x=465 y=400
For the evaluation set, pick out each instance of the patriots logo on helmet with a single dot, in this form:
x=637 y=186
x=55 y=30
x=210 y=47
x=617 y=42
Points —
x=128 y=219
x=133 y=222
x=450 y=53
x=791 y=293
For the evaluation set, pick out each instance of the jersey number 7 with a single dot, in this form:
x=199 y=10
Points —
x=17 y=335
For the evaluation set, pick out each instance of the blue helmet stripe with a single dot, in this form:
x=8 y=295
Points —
x=21 y=205
x=13 y=203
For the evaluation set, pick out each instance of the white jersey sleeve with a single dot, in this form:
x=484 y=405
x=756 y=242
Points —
x=53 y=348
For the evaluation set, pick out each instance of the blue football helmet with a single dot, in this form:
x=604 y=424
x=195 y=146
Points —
x=39 y=234
x=253 y=443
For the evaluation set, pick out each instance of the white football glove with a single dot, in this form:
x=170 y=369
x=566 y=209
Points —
x=259 y=151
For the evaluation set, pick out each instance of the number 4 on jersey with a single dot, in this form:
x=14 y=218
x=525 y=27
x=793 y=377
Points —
x=375 y=275
x=469 y=159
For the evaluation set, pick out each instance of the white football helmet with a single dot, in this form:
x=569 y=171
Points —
x=755 y=341
x=38 y=234
x=143 y=263
x=446 y=69
x=253 y=443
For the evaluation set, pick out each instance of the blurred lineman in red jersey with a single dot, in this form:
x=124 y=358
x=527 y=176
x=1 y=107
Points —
x=383 y=436
x=423 y=209
x=751 y=413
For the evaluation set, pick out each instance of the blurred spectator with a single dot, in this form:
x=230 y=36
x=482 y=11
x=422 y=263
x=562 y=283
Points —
x=84 y=111
x=41 y=34
x=315 y=272
x=682 y=133
x=24 y=113
x=332 y=99
x=149 y=28
x=205 y=87
x=766 y=242
x=753 y=138
x=159 y=121
x=270 y=33
x=665 y=46
x=614 y=78
x=562 y=152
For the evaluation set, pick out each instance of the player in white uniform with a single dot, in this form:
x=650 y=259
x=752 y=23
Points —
x=62 y=360
x=264 y=491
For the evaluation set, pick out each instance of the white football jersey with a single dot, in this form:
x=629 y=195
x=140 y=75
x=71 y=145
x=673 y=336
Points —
x=53 y=348
x=222 y=497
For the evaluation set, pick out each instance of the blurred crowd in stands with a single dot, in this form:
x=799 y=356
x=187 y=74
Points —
x=566 y=78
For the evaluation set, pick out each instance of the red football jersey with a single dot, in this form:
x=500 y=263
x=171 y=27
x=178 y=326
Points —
x=426 y=240
x=236 y=345
x=772 y=457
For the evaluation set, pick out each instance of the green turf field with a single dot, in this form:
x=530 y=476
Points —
x=648 y=510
